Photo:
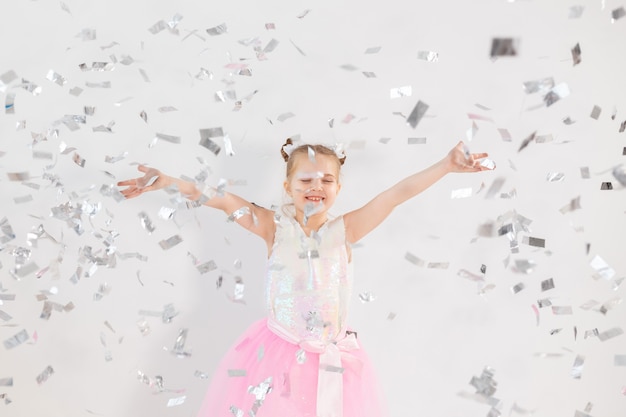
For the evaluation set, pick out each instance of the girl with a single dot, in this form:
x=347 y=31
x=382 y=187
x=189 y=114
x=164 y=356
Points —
x=302 y=361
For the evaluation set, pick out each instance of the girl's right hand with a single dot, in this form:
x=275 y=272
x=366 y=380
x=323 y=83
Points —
x=151 y=181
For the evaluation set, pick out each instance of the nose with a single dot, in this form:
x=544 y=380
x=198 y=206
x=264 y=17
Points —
x=317 y=184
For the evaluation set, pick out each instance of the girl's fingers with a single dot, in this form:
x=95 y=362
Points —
x=127 y=182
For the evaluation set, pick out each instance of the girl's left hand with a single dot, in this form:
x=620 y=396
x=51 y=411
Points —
x=461 y=160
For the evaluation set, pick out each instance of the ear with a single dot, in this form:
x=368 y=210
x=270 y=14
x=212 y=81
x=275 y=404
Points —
x=287 y=187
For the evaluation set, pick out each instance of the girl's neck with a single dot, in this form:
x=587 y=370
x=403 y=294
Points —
x=313 y=223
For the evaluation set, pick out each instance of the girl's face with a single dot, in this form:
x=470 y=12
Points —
x=313 y=185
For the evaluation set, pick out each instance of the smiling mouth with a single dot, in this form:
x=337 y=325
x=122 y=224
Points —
x=316 y=199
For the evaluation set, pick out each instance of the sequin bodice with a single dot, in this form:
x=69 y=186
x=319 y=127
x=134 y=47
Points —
x=309 y=280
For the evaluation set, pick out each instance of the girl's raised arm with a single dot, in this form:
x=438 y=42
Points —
x=360 y=222
x=258 y=220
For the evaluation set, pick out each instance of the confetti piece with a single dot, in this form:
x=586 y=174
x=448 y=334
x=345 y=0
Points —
x=573 y=205
x=562 y=310
x=504 y=47
x=78 y=160
x=87 y=34
x=56 y=78
x=429 y=56
x=146 y=223
x=414 y=259
x=595 y=112
x=170 y=242
x=9 y=103
x=173 y=402
x=576 y=12
x=416 y=115
x=618 y=14
x=603 y=270
x=43 y=377
x=373 y=50
x=398 y=92
x=207 y=267
x=284 y=116
x=168 y=138
x=367 y=297
x=297 y=48
x=217 y=30
x=619 y=360
x=526 y=141
x=576 y=54
x=555 y=177
x=610 y=334
x=517 y=288
x=556 y=93
x=416 y=141
x=609 y=305
x=16 y=340
x=577 y=367
x=369 y=74
x=236 y=373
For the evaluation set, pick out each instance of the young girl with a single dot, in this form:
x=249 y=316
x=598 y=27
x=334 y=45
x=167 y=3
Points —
x=302 y=360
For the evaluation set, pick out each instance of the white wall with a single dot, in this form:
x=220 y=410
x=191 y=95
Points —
x=445 y=331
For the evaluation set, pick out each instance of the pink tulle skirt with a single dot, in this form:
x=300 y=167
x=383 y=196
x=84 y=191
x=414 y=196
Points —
x=260 y=358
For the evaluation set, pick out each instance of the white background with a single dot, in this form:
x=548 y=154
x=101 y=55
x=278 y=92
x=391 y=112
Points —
x=428 y=330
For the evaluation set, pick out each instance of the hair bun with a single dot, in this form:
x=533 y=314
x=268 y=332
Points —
x=289 y=145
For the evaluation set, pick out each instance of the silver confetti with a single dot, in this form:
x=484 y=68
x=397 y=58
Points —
x=205 y=139
x=556 y=93
x=207 y=267
x=603 y=270
x=574 y=204
x=429 y=56
x=236 y=373
x=576 y=54
x=16 y=340
x=620 y=175
x=416 y=115
x=56 y=78
x=534 y=241
x=562 y=310
x=173 y=402
x=461 y=193
x=43 y=377
x=168 y=138
x=416 y=141
x=217 y=30
x=555 y=177
x=284 y=116
x=366 y=297
x=618 y=14
x=576 y=11
x=170 y=242
x=517 y=288
x=547 y=284
x=595 y=112
x=146 y=223
x=414 y=259
x=619 y=360
x=610 y=304
x=239 y=213
x=611 y=333
x=577 y=368
x=504 y=47
x=87 y=34
x=398 y=92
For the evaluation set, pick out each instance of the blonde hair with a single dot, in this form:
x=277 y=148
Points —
x=304 y=150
